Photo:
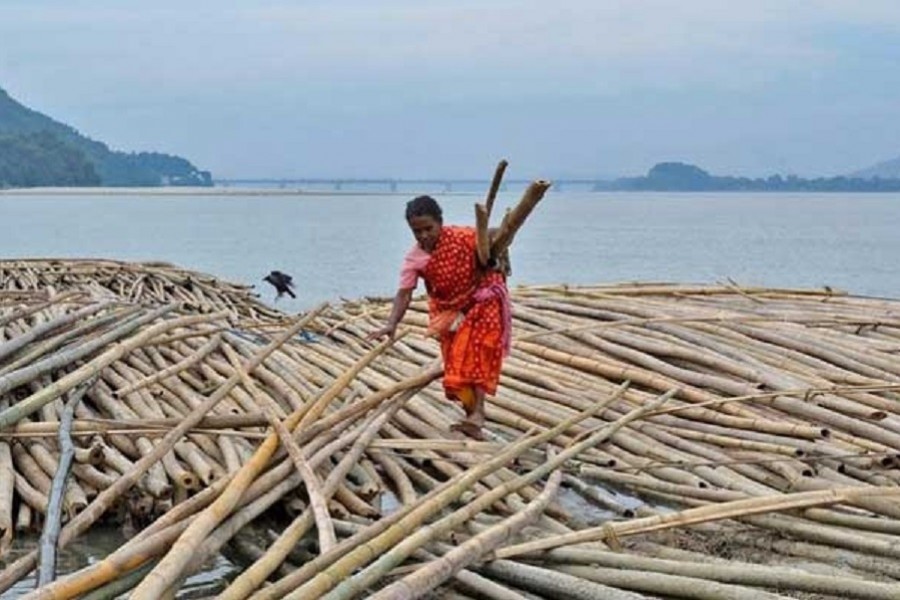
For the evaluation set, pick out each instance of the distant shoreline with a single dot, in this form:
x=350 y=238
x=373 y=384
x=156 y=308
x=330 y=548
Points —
x=223 y=192
x=189 y=191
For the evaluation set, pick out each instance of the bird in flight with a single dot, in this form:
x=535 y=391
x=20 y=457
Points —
x=283 y=283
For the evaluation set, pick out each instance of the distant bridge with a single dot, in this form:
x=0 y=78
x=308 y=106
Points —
x=391 y=184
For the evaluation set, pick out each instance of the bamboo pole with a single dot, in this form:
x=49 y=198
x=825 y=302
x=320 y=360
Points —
x=664 y=583
x=731 y=572
x=52 y=522
x=514 y=219
x=7 y=486
x=195 y=358
x=92 y=427
x=40 y=305
x=725 y=510
x=430 y=576
x=551 y=584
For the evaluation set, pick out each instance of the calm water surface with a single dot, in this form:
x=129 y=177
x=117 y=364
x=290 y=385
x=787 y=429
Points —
x=350 y=245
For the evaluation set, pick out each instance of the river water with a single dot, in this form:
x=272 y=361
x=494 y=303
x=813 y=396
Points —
x=350 y=245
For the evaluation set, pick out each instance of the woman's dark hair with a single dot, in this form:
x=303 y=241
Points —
x=424 y=206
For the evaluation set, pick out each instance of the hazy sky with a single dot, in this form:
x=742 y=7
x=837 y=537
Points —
x=419 y=88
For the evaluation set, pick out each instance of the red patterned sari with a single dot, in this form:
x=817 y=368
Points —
x=469 y=312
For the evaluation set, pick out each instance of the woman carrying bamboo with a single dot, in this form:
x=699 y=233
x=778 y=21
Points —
x=468 y=306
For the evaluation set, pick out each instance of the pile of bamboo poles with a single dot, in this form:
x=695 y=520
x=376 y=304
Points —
x=135 y=282
x=641 y=433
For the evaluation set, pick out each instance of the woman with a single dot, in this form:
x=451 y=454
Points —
x=468 y=308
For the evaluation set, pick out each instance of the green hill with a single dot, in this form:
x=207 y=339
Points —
x=683 y=177
x=36 y=150
x=41 y=159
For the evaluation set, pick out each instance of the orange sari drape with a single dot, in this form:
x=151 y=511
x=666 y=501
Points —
x=469 y=323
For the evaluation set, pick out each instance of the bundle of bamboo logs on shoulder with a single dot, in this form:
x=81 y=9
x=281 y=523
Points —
x=648 y=440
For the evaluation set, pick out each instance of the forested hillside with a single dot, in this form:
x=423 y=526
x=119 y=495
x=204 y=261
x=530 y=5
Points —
x=42 y=159
x=36 y=150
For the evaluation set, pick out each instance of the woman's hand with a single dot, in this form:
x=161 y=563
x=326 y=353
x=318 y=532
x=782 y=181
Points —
x=388 y=330
x=401 y=303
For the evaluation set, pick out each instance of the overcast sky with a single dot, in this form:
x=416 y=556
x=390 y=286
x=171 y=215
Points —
x=420 y=88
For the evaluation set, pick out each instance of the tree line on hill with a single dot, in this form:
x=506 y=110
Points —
x=681 y=177
x=36 y=150
x=42 y=159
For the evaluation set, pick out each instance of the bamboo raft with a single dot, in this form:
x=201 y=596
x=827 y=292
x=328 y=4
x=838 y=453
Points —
x=648 y=440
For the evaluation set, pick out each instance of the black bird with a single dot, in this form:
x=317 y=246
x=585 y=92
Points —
x=283 y=283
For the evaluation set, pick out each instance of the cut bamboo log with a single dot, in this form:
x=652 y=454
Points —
x=483 y=216
x=514 y=219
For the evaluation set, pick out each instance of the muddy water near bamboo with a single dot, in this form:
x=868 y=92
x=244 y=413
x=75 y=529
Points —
x=350 y=245
x=97 y=544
